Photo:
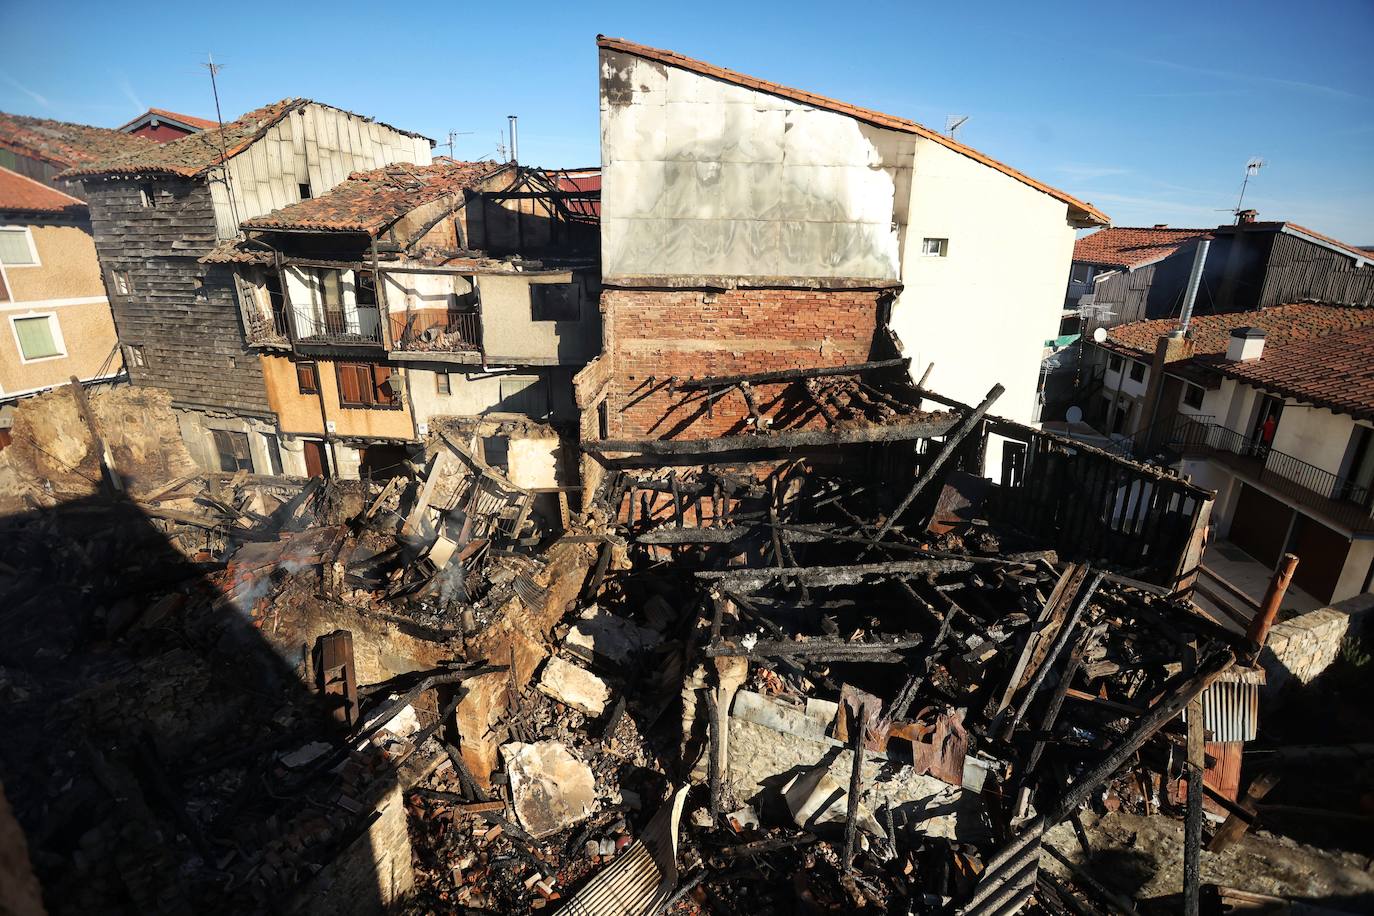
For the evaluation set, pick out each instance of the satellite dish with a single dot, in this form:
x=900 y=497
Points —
x=1074 y=414
x=1099 y=335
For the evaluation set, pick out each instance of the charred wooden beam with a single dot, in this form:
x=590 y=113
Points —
x=749 y=579
x=856 y=776
x=819 y=648
x=787 y=375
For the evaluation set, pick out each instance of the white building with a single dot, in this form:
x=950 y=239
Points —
x=1303 y=484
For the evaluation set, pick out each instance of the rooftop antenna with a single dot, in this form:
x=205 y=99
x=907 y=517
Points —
x=953 y=123
x=454 y=135
x=514 y=138
x=1252 y=168
x=214 y=69
x=501 y=144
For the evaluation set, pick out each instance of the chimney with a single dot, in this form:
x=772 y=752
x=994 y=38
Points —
x=1246 y=344
x=1161 y=225
x=1246 y=216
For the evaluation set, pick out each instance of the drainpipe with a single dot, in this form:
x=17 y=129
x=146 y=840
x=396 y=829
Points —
x=1194 y=281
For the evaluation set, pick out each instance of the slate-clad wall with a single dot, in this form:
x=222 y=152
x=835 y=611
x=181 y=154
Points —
x=192 y=338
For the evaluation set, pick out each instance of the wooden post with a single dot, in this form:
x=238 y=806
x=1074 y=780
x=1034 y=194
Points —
x=1269 y=608
x=109 y=477
x=1192 y=826
x=856 y=744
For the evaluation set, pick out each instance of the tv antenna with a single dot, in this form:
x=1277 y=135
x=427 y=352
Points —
x=953 y=123
x=453 y=135
x=1252 y=168
x=214 y=69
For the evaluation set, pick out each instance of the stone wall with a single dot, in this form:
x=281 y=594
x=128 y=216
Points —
x=1300 y=649
x=655 y=335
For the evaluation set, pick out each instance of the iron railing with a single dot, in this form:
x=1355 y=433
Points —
x=1340 y=498
x=268 y=327
x=358 y=325
x=444 y=330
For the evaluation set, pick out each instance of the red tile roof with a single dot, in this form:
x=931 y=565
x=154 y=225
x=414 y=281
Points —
x=1210 y=334
x=1335 y=371
x=1077 y=208
x=190 y=120
x=1125 y=246
x=195 y=154
x=587 y=182
x=371 y=201
x=64 y=144
x=24 y=195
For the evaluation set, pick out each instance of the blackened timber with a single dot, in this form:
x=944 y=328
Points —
x=948 y=448
x=787 y=375
x=929 y=427
x=856 y=775
x=820 y=648
x=747 y=579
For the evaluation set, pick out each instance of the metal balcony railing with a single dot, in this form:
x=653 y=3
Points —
x=437 y=330
x=1340 y=498
x=360 y=325
x=268 y=328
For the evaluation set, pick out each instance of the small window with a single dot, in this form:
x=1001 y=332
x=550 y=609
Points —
x=136 y=356
x=1082 y=273
x=1114 y=363
x=441 y=385
x=1192 y=396
x=234 y=452
x=935 y=248
x=38 y=337
x=307 y=380
x=1137 y=371
x=201 y=295
x=555 y=301
x=123 y=283
x=304 y=189
x=147 y=197
x=16 y=248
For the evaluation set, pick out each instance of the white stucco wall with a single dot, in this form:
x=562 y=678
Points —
x=474 y=393
x=1314 y=435
x=983 y=311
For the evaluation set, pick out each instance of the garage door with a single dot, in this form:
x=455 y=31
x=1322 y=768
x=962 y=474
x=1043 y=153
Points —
x=1321 y=557
x=1259 y=526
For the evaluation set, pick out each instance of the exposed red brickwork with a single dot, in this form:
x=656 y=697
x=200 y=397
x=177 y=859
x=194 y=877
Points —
x=656 y=335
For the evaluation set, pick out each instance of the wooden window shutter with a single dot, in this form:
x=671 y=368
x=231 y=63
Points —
x=354 y=386
x=306 y=379
x=383 y=391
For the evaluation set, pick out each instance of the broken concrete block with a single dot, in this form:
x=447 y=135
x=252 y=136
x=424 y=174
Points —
x=574 y=686
x=815 y=797
x=551 y=788
x=607 y=638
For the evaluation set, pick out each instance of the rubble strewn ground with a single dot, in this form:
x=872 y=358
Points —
x=755 y=680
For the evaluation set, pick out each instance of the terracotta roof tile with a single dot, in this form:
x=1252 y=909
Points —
x=24 y=195
x=1080 y=209
x=1125 y=246
x=64 y=144
x=191 y=120
x=370 y=201
x=194 y=154
x=1335 y=371
x=1210 y=334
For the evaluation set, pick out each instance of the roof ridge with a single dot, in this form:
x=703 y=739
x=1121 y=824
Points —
x=869 y=115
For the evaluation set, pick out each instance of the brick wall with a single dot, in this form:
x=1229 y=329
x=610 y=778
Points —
x=654 y=335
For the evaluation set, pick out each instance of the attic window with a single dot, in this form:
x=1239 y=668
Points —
x=935 y=248
x=123 y=283
x=304 y=189
x=136 y=356
x=147 y=197
x=201 y=295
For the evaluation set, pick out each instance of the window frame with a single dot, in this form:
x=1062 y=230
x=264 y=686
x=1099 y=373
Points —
x=54 y=328
x=122 y=280
x=942 y=247
x=314 y=370
x=33 y=246
x=443 y=385
x=1085 y=269
x=135 y=356
x=1189 y=388
x=1114 y=363
x=371 y=391
x=1137 y=365
x=147 y=196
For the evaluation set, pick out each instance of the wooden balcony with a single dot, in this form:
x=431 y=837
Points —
x=437 y=331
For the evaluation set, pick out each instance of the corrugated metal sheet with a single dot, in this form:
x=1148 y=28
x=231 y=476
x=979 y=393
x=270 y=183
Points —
x=1230 y=707
x=640 y=881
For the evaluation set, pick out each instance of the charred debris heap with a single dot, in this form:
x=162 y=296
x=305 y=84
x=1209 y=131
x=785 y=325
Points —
x=821 y=665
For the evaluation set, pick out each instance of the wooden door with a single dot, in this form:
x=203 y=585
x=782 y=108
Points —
x=1321 y=557
x=1259 y=526
x=316 y=458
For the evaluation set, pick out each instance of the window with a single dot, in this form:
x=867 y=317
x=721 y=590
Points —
x=555 y=301
x=123 y=283
x=523 y=394
x=201 y=295
x=135 y=356
x=306 y=378
x=16 y=247
x=441 y=385
x=366 y=385
x=304 y=189
x=38 y=337
x=147 y=197
x=273 y=453
x=1192 y=396
x=1114 y=363
x=234 y=453
x=1082 y=273
x=935 y=248
x=1137 y=371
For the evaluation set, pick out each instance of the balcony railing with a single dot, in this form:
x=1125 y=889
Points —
x=268 y=328
x=437 y=330
x=360 y=325
x=1339 y=498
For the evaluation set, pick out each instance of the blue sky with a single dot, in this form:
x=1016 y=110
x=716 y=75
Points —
x=1149 y=111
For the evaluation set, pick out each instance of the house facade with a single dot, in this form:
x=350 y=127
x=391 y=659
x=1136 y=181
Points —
x=52 y=301
x=413 y=298
x=1274 y=410
x=748 y=226
x=156 y=213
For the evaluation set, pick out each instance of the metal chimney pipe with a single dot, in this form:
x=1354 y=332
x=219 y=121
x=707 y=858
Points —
x=1194 y=280
x=514 y=139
